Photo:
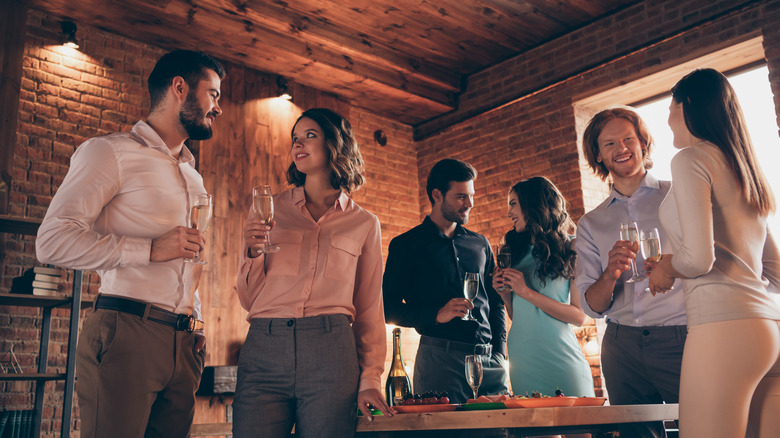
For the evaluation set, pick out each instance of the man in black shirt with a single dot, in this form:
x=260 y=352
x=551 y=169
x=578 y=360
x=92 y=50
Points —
x=423 y=288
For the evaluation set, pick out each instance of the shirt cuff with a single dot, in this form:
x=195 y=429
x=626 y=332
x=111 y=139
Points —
x=136 y=251
x=370 y=382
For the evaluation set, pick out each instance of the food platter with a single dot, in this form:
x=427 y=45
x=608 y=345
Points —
x=589 y=401
x=544 y=402
x=415 y=409
x=481 y=406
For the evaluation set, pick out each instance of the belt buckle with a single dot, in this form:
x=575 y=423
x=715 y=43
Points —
x=187 y=323
x=482 y=350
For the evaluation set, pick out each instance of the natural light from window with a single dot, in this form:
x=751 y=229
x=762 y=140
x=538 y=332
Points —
x=755 y=97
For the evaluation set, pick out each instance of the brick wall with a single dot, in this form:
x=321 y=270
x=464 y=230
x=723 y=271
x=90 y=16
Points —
x=520 y=122
x=68 y=96
x=527 y=123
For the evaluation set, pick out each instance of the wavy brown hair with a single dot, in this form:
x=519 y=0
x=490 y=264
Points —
x=590 y=138
x=346 y=162
x=548 y=226
x=712 y=112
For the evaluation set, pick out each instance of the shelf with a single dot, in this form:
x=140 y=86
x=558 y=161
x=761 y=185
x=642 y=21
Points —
x=40 y=377
x=39 y=301
x=19 y=225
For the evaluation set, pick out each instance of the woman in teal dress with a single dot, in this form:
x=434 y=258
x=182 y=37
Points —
x=543 y=351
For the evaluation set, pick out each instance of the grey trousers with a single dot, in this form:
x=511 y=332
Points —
x=437 y=369
x=136 y=378
x=642 y=366
x=301 y=371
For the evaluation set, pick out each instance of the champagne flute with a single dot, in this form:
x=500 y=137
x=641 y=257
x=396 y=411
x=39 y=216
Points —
x=263 y=204
x=200 y=218
x=504 y=258
x=474 y=372
x=651 y=244
x=470 y=289
x=628 y=232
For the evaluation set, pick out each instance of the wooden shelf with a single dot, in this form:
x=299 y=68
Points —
x=19 y=225
x=40 y=377
x=39 y=301
x=27 y=226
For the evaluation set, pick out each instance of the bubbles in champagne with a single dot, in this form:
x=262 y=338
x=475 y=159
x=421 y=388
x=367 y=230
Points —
x=200 y=217
x=470 y=288
x=264 y=207
x=651 y=249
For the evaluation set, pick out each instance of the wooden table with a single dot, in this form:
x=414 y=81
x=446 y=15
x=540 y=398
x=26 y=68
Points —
x=496 y=423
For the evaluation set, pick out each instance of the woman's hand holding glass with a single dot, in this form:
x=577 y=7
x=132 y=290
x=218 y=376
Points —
x=256 y=235
x=514 y=281
x=661 y=275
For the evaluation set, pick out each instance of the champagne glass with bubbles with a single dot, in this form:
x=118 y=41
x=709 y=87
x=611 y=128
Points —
x=470 y=289
x=474 y=372
x=263 y=204
x=504 y=259
x=651 y=244
x=628 y=232
x=200 y=218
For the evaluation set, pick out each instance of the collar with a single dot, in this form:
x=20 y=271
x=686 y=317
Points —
x=431 y=227
x=649 y=181
x=299 y=198
x=152 y=139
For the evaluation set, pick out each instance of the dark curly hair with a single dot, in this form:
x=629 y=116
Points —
x=547 y=229
x=346 y=162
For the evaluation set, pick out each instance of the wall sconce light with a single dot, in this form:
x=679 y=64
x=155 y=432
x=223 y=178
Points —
x=282 y=88
x=69 y=35
x=380 y=137
x=592 y=346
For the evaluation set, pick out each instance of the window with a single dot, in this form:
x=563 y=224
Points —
x=755 y=97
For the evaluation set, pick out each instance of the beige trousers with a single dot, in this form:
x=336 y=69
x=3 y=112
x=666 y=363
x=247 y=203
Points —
x=136 y=378
x=730 y=380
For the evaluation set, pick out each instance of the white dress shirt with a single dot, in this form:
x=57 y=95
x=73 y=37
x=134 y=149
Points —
x=597 y=232
x=122 y=191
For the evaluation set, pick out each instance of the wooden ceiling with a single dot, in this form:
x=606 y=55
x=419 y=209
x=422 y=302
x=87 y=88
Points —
x=404 y=59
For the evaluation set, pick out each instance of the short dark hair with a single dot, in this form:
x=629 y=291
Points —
x=446 y=171
x=188 y=64
x=590 y=139
x=346 y=162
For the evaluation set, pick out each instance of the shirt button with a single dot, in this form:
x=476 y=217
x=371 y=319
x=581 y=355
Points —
x=645 y=332
x=290 y=323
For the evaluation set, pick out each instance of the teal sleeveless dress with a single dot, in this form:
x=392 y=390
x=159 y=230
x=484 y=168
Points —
x=543 y=351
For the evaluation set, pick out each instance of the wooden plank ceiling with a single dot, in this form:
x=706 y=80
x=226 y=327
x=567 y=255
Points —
x=404 y=59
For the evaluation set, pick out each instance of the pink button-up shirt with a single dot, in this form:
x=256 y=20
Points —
x=329 y=266
x=122 y=191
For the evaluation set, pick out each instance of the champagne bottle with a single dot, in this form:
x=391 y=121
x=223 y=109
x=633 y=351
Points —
x=398 y=383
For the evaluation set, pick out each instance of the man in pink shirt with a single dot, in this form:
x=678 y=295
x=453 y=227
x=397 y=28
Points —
x=123 y=210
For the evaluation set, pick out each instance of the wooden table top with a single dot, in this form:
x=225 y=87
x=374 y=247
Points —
x=497 y=419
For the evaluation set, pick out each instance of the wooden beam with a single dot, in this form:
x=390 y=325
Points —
x=13 y=29
x=300 y=26
x=227 y=36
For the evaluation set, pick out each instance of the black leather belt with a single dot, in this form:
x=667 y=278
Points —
x=463 y=347
x=179 y=321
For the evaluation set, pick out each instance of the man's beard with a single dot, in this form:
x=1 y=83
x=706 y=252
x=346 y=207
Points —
x=191 y=117
x=452 y=215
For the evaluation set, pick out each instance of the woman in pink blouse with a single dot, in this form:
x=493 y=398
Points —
x=316 y=343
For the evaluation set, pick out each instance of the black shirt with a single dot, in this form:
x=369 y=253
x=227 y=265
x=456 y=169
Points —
x=425 y=270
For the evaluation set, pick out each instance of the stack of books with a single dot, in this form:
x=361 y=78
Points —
x=38 y=281
x=47 y=280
